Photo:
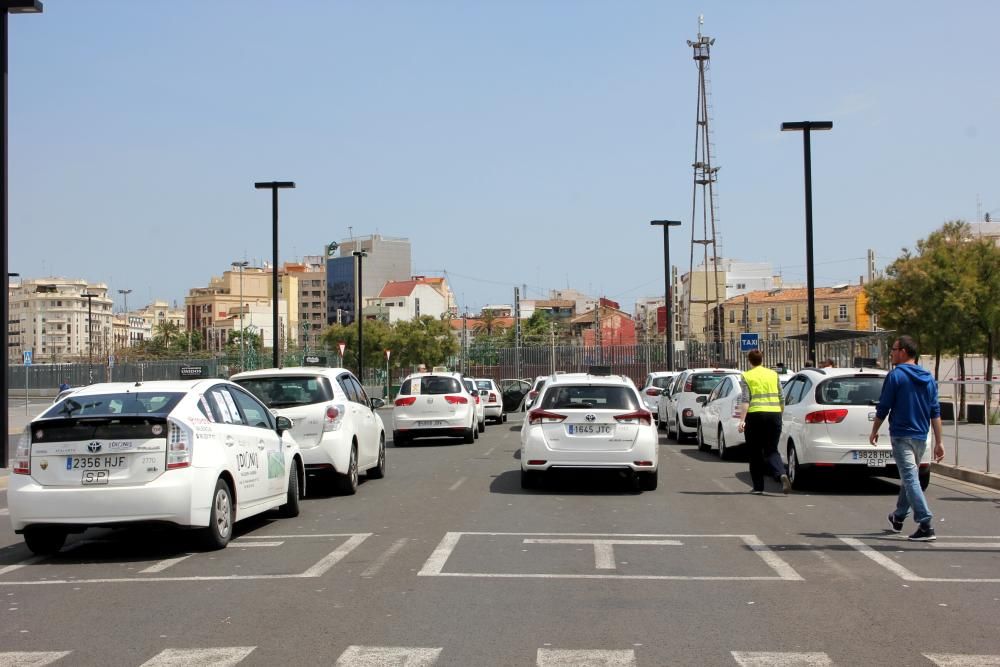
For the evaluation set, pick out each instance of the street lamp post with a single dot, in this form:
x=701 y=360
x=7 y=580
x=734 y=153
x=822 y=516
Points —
x=90 y=337
x=242 y=266
x=274 y=186
x=667 y=224
x=128 y=327
x=360 y=254
x=806 y=127
x=13 y=7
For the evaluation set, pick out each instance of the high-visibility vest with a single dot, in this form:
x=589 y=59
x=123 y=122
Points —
x=765 y=392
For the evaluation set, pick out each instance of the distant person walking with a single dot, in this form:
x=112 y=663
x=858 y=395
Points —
x=910 y=399
x=64 y=386
x=826 y=363
x=760 y=418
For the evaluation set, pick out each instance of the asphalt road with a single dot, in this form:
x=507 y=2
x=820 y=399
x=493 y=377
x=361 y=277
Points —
x=447 y=561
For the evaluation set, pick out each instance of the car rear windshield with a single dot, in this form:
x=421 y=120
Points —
x=662 y=382
x=588 y=397
x=282 y=391
x=704 y=383
x=850 y=390
x=156 y=404
x=484 y=384
x=431 y=384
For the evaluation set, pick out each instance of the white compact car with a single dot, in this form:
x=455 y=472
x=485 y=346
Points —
x=195 y=453
x=589 y=421
x=335 y=423
x=652 y=387
x=718 y=424
x=827 y=421
x=683 y=408
x=536 y=389
x=477 y=400
x=432 y=405
x=492 y=399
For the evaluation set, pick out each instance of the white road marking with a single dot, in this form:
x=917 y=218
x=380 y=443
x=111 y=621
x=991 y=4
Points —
x=331 y=559
x=843 y=571
x=551 y=657
x=204 y=657
x=604 y=550
x=164 y=564
x=963 y=660
x=964 y=545
x=17 y=566
x=388 y=656
x=30 y=658
x=4 y=511
x=380 y=562
x=905 y=574
x=724 y=487
x=435 y=563
x=779 y=659
x=783 y=569
x=243 y=545
x=457 y=484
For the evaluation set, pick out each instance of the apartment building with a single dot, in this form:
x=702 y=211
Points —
x=54 y=319
x=308 y=308
x=780 y=313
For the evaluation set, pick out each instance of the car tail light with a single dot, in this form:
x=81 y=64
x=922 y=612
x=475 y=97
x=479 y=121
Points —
x=477 y=399
x=826 y=416
x=456 y=400
x=543 y=417
x=493 y=397
x=637 y=417
x=179 y=446
x=651 y=391
x=689 y=385
x=403 y=401
x=532 y=395
x=643 y=464
x=334 y=417
x=21 y=462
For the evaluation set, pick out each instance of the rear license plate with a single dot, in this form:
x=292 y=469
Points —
x=96 y=462
x=589 y=429
x=430 y=422
x=873 y=458
x=95 y=477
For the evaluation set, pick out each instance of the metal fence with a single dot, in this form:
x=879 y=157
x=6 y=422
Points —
x=976 y=403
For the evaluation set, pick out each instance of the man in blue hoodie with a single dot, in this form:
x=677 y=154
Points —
x=910 y=399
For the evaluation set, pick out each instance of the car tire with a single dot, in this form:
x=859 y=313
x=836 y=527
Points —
x=702 y=445
x=723 y=450
x=290 y=509
x=530 y=479
x=378 y=472
x=470 y=436
x=44 y=540
x=924 y=474
x=796 y=475
x=648 y=481
x=661 y=424
x=346 y=484
x=220 y=519
x=482 y=425
x=400 y=440
x=503 y=418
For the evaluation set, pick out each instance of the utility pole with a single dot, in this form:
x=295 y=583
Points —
x=90 y=337
x=517 y=333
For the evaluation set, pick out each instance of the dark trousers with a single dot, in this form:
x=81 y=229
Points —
x=763 y=429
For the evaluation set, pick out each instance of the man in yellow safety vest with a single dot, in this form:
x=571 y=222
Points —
x=760 y=419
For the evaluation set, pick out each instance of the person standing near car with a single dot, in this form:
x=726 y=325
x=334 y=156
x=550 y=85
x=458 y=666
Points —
x=910 y=399
x=760 y=419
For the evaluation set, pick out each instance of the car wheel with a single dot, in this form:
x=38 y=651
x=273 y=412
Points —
x=530 y=479
x=378 y=472
x=702 y=445
x=470 y=436
x=723 y=451
x=795 y=473
x=291 y=507
x=44 y=540
x=925 y=478
x=649 y=480
x=482 y=425
x=220 y=518
x=400 y=440
x=661 y=424
x=346 y=484
x=503 y=418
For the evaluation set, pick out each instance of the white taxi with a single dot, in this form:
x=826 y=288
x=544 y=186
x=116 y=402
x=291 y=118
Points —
x=433 y=405
x=583 y=420
x=492 y=399
x=197 y=453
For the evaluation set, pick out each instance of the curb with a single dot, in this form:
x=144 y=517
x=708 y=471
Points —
x=966 y=475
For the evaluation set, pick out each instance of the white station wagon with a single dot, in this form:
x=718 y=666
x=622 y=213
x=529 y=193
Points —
x=197 y=453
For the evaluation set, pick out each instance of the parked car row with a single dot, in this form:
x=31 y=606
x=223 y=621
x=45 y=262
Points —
x=198 y=454
x=444 y=404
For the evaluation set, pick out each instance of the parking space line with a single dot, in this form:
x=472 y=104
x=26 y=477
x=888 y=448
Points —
x=18 y=566
x=783 y=569
x=779 y=659
x=208 y=657
x=457 y=484
x=489 y=451
x=907 y=575
x=962 y=660
x=551 y=657
x=244 y=545
x=379 y=656
x=334 y=557
x=604 y=550
x=30 y=658
x=380 y=562
x=845 y=572
x=164 y=564
x=4 y=511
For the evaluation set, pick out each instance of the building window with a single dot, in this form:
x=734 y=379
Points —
x=760 y=314
x=788 y=313
x=842 y=312
x=732 y=316
x=826 y=312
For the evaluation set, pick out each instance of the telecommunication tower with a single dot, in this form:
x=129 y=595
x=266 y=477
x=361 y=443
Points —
x=708 y=291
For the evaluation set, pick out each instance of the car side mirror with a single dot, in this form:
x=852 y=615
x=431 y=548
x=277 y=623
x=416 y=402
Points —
x=654 y=391
x=376 y=403
x=283 y=424
x=701 y=400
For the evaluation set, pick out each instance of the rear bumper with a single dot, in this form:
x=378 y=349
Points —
x=644 y=449
x=494 y=411
x=333 y=450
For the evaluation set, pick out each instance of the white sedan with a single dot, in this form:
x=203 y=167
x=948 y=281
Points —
x=334 y=421
x=827 y=421
x=433 y=405
x=198 y=453
x=719 y=420
x=582 y=420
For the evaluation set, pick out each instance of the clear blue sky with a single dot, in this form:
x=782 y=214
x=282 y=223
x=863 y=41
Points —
x=514 y=142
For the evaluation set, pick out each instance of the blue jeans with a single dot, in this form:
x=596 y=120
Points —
x=908 y=452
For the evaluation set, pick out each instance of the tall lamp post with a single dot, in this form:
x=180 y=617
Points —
x=360 y=254
x=12 y=7
x=90 y=337
x=274 y=186
x=242 y=266
x=667 y=224
x=128 y=323
x=806 y=127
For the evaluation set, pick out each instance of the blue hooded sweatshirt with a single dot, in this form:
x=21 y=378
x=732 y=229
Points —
x=910 y=398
